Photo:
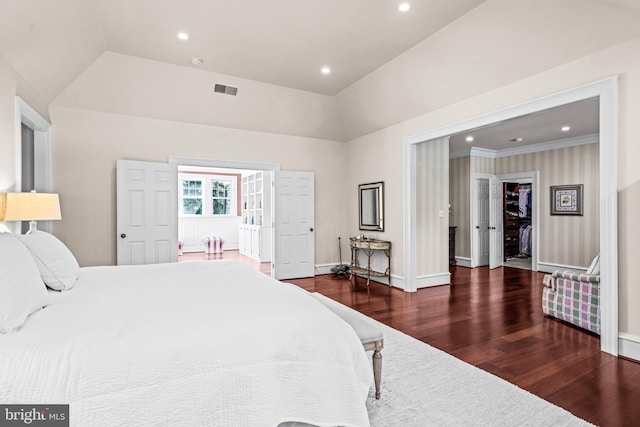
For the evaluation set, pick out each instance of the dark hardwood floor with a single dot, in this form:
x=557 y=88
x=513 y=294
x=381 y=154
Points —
x=493 y=320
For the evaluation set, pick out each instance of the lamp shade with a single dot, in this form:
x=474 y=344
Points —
x=29 y=206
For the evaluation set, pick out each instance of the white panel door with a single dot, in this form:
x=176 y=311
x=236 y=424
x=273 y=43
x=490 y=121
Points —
x=495 y=223
x=147 y=213
x=294 y=238
x=481 y=221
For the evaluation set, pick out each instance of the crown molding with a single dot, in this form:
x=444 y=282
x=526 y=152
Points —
x=593 y=138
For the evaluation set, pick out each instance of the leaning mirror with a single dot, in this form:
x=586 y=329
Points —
x=371 y=204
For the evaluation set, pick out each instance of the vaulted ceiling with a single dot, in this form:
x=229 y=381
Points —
x=281 y=42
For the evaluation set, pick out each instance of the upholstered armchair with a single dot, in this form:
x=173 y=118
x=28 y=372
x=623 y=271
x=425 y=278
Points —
x=574 y=298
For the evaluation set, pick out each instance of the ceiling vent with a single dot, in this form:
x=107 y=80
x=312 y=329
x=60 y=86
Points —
x=227 y=90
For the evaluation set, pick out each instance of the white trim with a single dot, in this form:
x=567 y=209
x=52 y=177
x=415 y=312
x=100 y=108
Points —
x=549 y=267
x=410 y=214
x=593 y=138
x=325 y=268
x=482 y=152
x=430 y=280
x=43 y=182
x=462 y=261
x=225 y=164
x=629 y=346
x=534 y=178
x=607 y=90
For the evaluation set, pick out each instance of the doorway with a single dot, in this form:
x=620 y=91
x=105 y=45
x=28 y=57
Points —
x=502 y=246
x=226 y=213
x=606 y=91
x=517 y=210
x=292 y=239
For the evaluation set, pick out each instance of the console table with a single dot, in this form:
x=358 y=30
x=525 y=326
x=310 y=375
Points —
x=369 y=246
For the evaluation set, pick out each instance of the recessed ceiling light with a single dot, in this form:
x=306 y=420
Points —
x=469 y=138
x=516 y=140
x=404 y=7
x=325 y=70
x=196 y=60
x=566 y=128
x=183 y=36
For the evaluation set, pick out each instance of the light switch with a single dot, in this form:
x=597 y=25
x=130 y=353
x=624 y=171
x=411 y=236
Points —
x=441 y=214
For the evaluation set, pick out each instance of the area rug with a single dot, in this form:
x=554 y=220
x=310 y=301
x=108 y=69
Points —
x=424 y=386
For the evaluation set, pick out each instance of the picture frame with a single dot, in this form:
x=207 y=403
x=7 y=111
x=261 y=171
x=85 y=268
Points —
x=567 y=199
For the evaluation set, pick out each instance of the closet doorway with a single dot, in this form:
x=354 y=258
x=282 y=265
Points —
x=517 y=209
x=514 y=240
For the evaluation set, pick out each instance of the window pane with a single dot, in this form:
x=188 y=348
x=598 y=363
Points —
x=191 y=188
x=192 y=206
x=221 y=207
x=221 y=188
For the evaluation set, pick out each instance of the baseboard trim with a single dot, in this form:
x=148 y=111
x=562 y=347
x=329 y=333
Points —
x=463 y=261
x=548 y=267
x=629 y=346
x=425 y=281
x=325 y=268
x=429 y=280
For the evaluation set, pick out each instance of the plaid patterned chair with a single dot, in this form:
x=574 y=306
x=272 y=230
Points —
x=574 y=298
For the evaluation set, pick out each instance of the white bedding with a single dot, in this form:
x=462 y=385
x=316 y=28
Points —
x=197 y=343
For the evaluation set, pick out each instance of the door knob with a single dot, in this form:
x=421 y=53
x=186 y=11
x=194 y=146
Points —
x=122 y=236
x=478 y=227
x=311 y=229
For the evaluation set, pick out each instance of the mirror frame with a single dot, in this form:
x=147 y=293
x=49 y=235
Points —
x=378 y=212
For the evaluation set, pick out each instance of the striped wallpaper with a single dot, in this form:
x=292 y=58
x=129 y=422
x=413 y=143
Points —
x=483 y=165
x=432 y=196
x=564 y=240
x=459 y=197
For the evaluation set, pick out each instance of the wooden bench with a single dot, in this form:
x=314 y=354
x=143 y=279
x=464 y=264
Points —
x=370 y=335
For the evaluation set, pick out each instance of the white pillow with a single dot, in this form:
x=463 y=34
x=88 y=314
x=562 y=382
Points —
x=21 y=289
x=58 y=267
x=594 y=268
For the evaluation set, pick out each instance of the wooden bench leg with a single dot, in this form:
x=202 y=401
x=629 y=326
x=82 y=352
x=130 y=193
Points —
x=377 y=369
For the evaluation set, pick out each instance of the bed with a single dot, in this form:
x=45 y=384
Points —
x=193 y=343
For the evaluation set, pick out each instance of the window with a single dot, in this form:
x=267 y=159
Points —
x=221 y=195
x=207 y=195
x=191 y=197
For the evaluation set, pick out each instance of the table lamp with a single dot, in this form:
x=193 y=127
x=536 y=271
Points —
x=30 y=207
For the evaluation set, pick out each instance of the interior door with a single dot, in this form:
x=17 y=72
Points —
x=294 y=234
x=147 y=213
x=481 y=221
x=495 y=223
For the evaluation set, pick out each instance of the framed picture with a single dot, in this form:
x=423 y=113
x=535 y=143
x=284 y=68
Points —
x=566 y=199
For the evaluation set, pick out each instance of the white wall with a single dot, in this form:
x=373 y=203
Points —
x=123 y=84
x=88 y=143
